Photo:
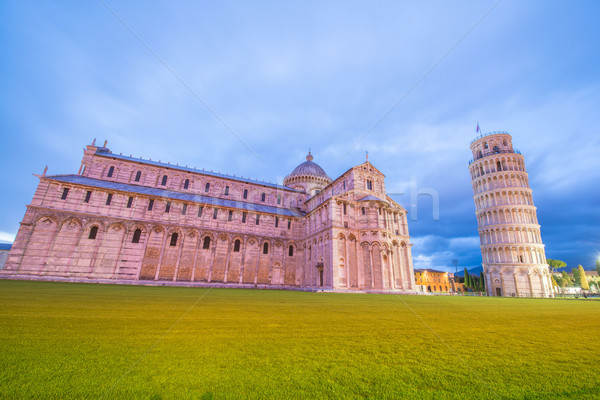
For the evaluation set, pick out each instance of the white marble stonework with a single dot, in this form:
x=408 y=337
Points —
x=125 y=218
x=514 y=261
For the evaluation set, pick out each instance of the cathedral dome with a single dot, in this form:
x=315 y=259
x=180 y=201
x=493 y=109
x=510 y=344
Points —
x=309 y=168
x=308 y=177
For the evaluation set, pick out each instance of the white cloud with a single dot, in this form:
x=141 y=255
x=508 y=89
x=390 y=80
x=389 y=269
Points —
x=7 y=237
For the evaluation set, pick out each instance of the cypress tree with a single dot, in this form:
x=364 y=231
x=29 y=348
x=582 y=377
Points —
x=482 y=280
x=583 y=279
x=466 y=278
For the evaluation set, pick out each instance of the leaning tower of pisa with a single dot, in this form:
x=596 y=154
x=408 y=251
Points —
x=512 y=251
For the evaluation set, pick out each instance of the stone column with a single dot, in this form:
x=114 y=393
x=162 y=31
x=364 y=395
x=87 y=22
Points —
x=347 y=262
x=371 y=265
x=198 y=244
x=181 y=246
x=139 y=271
x=162 y=252
x=531 y=285
x=230 y=243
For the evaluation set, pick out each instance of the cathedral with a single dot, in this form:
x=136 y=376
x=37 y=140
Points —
x=127 y=219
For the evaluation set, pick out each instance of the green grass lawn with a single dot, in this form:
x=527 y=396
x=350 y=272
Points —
x=68 y=340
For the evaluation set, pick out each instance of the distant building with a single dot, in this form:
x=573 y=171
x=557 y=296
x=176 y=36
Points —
x=432 y=280
x=130 y=219
x=4 y=250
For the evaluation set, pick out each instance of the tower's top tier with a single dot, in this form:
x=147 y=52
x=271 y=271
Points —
x=492 y=143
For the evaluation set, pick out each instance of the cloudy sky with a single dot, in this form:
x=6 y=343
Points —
x=249 y=87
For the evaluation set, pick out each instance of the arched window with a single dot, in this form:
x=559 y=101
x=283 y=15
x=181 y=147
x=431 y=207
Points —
x=136 y=236
x=291 y=251
x=206 y=244
x=164 y=180
x=174 y=239
x=138 y=175
x=93 y=232
x=479 y=155
x=496 y=149
x=364 y=211
x=485 y=146
x=207 y=187
x=186 y=184
x=111 y=170
x=226 y=190
x=236 y=245
x=266 y=248
x=263 y=197
x=498 y=166
x=245 y=193
x=279 y=199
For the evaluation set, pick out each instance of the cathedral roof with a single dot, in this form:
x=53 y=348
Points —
x=170 y=194
x=309 y=168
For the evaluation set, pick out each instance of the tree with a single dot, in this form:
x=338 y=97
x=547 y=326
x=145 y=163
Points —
x=566 y=279
x=556 y=264
x=576 y=276
x=482 y=281
x=583 y=282
x=467 y=280
x=598 y=265
x=554 y=282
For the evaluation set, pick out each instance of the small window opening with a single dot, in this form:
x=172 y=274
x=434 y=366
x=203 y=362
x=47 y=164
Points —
x=136 y=236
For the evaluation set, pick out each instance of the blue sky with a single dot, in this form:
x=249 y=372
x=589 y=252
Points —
x=286 y=77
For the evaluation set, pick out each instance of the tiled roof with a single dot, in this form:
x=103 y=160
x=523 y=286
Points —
x=104 y=152
x=372 y=198
x=430 y=270
x=148 y=191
